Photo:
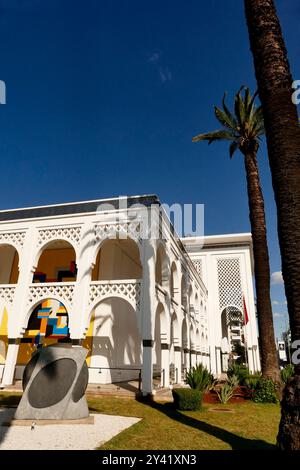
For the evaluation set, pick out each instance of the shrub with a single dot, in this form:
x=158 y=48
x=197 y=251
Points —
x=265 y=391
x=187 y=399
x=199 y=378
x=226 y=392
x=241 y=371
x=287 y=373
x=251 y=381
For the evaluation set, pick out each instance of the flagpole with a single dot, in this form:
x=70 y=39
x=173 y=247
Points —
x=246 y=319
x=246 y=346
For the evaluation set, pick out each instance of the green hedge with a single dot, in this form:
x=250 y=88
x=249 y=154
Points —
x=265 y=391
x=187 y=399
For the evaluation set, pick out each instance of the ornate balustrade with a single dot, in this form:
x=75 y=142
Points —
x=62 y=291
x=7 y=292
x=127 y=289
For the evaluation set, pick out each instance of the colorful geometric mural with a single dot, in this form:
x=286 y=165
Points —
x=48 y=320
x=47 y=325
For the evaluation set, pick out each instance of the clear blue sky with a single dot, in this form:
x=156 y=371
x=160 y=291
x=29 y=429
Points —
x=103 y=98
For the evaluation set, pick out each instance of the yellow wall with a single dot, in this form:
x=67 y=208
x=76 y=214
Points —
x=3 y=336
x=14 y=270
x=88 y=341
x=51 y=261
x=26 y=350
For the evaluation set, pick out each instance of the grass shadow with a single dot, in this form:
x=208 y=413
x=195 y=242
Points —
x=236 y=442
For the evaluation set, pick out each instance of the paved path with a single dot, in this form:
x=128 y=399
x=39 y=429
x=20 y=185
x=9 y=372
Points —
x=61 y=436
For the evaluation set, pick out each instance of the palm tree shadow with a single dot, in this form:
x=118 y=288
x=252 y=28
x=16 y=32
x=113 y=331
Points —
x=236 y=442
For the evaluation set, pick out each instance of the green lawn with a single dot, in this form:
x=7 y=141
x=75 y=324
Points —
x=250 y=426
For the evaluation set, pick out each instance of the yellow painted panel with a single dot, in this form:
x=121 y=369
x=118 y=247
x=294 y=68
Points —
x=26 y=350
x=88 y=341
x=3 y=336
x=14 y=275
x=51 y=260
x=3 y=325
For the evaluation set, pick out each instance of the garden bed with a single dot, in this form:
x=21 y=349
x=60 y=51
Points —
x=240 y=396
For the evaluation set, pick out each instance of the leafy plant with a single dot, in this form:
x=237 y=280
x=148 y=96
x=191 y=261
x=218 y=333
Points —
x=240 y=371
x=199 y=378
x=251 y=381
x=233 y=380
x=287 y=373
x=187 y=399
x=225 y=392
x=265 y=391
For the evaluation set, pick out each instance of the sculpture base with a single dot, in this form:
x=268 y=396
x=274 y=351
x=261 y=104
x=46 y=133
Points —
x=54 y=383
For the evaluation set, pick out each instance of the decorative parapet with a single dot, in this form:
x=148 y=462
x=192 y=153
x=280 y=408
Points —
x=123 y=229
x=129 y=290
x=62 y=291
x=15 y=238
x=71 y=234
x=7 y=292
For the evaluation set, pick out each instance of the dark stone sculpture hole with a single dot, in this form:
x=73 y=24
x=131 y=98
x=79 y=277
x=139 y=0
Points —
x=52 y=383
x=81 y=383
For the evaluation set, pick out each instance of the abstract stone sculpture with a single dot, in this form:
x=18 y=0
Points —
x=54 y=383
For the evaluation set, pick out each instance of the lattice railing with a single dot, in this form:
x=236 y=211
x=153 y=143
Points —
x=113 y=230
x=72 y=234
x=15 y=238
x=7 y=292
x=128 y=289
x=61 y=291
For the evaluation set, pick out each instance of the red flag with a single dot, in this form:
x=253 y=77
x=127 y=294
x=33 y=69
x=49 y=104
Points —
x=246 y=317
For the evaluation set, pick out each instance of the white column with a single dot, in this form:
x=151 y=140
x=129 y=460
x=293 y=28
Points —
x=80 y=315
x=17 y=318
x=148 y=314
x=251 y=327
x=218 y=361
x=193 y=358
x=250 y=359
x=187 y=363
x=10 y=362
x=178 y=364
x=165 y=365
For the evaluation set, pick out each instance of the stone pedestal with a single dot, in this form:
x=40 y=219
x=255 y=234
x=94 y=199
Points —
x=54 y=383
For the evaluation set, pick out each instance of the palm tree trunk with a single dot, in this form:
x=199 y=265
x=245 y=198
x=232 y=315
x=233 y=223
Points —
x=283 y=139
x=269 y=358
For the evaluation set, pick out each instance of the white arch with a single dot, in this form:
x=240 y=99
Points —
x=45 y=245
x=96 y=302
x=102 y=241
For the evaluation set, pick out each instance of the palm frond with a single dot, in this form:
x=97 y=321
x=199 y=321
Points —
x=233 y=147
x=223 y=118
x=243 y=126
x=215 y=135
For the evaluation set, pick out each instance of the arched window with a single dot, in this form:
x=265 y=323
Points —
x=118 y=259
x=9 y=265
x=57 y=263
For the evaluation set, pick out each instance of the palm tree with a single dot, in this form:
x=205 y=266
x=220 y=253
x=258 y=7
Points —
x=244 y=130
x=283 y=139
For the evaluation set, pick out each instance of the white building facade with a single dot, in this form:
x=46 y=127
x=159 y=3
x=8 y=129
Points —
x=146 y=307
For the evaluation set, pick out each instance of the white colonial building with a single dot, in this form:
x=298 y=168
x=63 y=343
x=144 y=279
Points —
x=116 y=278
